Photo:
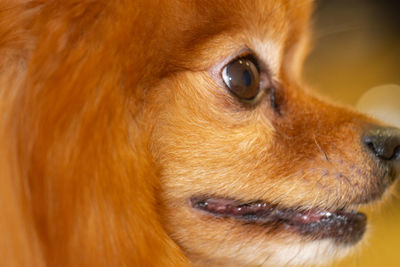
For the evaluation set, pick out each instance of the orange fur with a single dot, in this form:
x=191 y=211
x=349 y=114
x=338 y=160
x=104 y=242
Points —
x=113 y=115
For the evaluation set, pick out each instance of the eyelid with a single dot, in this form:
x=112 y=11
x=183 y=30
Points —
x=254 y=60
x=249 y=55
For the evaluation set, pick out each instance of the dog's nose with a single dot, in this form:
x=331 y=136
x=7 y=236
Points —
x=384 y=143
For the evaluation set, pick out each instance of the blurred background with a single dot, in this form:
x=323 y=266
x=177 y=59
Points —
x=356 y=61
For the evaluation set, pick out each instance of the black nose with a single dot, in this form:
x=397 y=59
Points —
x=384 y=143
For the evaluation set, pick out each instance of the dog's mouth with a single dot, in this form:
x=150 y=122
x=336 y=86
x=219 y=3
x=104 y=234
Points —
x=344 y=227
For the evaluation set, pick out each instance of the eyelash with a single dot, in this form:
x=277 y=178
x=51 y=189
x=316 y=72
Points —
x=250 y=56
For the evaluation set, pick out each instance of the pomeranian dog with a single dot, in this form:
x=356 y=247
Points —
x=176 y=133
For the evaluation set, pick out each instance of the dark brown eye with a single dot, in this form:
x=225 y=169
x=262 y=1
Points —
x=242 y=78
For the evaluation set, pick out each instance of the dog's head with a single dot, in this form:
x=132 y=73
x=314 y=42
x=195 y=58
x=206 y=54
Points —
x=254 y=168
x=142 y=126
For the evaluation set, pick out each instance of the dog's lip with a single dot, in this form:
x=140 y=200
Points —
x=344 y=227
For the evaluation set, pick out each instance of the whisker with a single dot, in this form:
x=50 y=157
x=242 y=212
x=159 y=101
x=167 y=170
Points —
x=320 y=148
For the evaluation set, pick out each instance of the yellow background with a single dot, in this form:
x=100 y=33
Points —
x=357 y=47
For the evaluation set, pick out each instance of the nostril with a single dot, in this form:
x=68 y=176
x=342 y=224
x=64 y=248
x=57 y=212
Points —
x=384 y=142
x=396 y=155
x=370 y=144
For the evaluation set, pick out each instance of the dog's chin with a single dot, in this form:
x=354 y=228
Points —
x=299 y=253
x=291 y=252
x=314 y=236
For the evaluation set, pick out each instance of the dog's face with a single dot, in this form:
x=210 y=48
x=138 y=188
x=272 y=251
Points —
x=148 y=132
x=254 y=168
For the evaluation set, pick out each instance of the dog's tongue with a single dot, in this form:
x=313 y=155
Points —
x=343 y=227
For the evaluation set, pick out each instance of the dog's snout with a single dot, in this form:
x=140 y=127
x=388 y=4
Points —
x=383 y=142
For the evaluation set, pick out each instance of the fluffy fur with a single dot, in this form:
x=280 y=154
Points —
x=113 y=114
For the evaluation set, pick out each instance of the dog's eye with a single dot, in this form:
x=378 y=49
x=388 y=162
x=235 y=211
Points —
x=241 y=76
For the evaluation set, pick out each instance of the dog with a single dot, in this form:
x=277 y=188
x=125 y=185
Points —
x=177 y=133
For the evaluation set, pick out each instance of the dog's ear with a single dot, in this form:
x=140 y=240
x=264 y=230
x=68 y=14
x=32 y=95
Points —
x=294 y=59
x=299 y=42
x=79 y=180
